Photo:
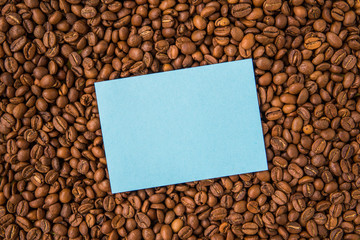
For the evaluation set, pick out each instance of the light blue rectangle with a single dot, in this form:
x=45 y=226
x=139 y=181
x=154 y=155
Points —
x=181 y=126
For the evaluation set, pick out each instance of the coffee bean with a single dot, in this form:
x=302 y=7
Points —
x=241 y=10
x=334 y=40
x=49 y=39
x=273 y=113
x=11 y=65
x=278 y=143
x=109 y=204
x=218 y=214
x=293 y=227
x=18 y=44
x=349 y=62
x=19 y=110
x=13 y=18
x=12 y=231
x=88 y=12
x=272 y=5
x=318 y=146
x=336 y=234
x=34 y=233
x=65 y=195
x=279 y=197
x=60 y=124
x=166 y=232
x=248 y=41
x=23 y=223
x=250 y=228
x=142 y=220
x=30 y=135
x=75 y=59
x=185 y=232
x=312 y=43
x=253 y=207
x=117 y=222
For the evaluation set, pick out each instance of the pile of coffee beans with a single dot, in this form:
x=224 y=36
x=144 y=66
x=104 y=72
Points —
x=53 y=177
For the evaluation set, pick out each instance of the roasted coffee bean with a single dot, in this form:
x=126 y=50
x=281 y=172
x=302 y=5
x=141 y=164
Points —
x=241 y=10
x=218 y=214
x=60 y=124
x=185 y=232
x=30 y=135
x=279 y=197
x=142 y=220
x=18 y=44
x=279 y=143
x=49 y=39
x=274 y=113
x=117 y=222
x=75 y=59
x=312 y=43
x=272 y=5
x=250 y=228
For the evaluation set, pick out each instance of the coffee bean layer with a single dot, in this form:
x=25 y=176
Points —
x=53 y=178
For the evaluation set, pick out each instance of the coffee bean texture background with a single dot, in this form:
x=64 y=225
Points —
x=53 y=177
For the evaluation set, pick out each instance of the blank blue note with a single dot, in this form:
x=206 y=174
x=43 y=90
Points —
x=181 y=126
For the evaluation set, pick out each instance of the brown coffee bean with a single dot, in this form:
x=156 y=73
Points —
x=250 y=228
x=13 y=18
x=312 y=43
x=59 y=229
x=47 y=81
x=11 y=65
x=142 y=220
x=51 y=177
x=273 y=113
x=272 y=5
x=349 y=62
x=23 y=223
x=88 y=12
x=241 y=10
x=18 y=44
x=12 y=231
x=65 y=195
x=318 y=146
x=185 y=232
x=278 y=143
x=263 y=63
x=117 y=222
x=134 y=235
x=336 y=234
x=19 y=110
x=60 y=124
x=30 y=135
x=75 y=59
x=248 y=41
x=279 y=197
x=200 y=198
x=109 y=204
x=253 y=207
x=333 y=40
x=166 y=232
x=49 y=39
x=188 y=48
x=176 y=225
x=218 y=214
x=347 y=151
x=293 y=227
x=93 y=124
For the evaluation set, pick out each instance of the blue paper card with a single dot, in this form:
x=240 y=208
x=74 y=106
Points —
x=181 y=126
